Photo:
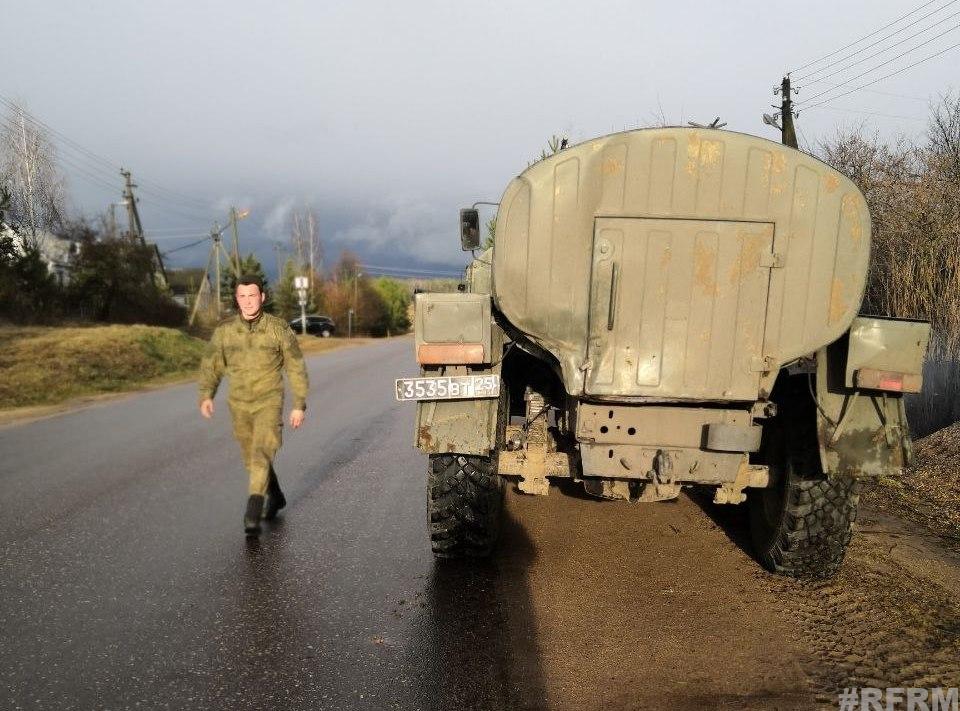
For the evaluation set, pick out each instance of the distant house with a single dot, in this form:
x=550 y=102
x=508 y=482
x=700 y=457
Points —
x=185 y=284
x=59 y=253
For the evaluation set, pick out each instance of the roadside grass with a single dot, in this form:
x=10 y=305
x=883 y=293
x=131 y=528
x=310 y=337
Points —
x=313 y=344
x=44 y=366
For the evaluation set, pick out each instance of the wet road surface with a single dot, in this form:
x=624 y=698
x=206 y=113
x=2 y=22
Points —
x=126 y=582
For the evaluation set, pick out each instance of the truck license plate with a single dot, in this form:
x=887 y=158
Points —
x=454 y=387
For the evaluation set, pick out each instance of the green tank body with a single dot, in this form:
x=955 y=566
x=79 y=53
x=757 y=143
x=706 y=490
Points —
x=670 y=307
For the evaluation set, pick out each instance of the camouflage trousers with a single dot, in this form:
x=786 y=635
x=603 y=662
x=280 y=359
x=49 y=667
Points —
x=259 y=433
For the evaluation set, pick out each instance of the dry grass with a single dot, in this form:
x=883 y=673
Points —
x=41 y=366
x=929 y=492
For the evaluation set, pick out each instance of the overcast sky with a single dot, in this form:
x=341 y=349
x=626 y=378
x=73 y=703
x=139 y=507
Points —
x=386 y=117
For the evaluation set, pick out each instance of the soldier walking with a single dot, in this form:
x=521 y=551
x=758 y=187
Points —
x=252 y=350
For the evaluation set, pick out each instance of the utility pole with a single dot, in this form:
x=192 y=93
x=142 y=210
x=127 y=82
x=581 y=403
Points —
x=215 y=235
x=788 y=135
x=352 y=313
x=277 y=248
x=204 y=280
x=134 y=227
x=312 y=231
x=216 y=254
x=236 y=239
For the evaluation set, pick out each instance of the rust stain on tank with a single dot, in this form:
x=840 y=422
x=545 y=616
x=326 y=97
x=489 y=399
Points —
x=778 y=165
x=851 y=213
x=704 y=260
x=766 y=164
x=749 y=256
x=693 y=153
x=426 y=438
x=611 y=166
x=838 y=302
x=710 y=152
x=831 y=183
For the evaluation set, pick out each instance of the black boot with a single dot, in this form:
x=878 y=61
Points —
x=275 y=498
x=251 y=520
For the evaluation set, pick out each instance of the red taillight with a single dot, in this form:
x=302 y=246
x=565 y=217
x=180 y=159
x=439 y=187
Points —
x=871 y=379
x=450 y=354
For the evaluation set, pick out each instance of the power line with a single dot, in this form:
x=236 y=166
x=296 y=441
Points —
x=149 y=234
x=94 y=174
x=103 y=164
x=899 y=96
x=882 y=64
x=89 y=175
x=875 y=54
x=866 y=37
x=185 y=246
x=875 y=81
x=191 y=230
x=871 y=113
x=885 y=38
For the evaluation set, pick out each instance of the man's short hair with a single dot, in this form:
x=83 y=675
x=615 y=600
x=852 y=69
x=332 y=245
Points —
x=250 y=279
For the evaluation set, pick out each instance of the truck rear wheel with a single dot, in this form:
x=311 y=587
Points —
x=802 y=524
x=465 y=499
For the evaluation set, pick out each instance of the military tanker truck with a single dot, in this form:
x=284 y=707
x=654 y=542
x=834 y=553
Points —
x=667 y=308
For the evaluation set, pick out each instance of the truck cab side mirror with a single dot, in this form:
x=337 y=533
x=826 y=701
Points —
x=469 y=229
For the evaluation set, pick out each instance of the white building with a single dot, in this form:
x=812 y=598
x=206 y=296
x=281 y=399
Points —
x=58 y=252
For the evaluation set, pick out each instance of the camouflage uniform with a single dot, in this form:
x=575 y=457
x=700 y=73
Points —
x=252 y=354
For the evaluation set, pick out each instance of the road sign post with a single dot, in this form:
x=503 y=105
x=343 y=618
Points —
x=301 y=284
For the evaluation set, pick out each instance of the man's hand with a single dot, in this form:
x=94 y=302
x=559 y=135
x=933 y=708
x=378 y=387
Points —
x=206 y=408
x=296 y=418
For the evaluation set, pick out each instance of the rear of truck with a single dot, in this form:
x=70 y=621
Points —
x=666 y=308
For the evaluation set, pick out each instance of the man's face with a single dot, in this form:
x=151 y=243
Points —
x=250 y=300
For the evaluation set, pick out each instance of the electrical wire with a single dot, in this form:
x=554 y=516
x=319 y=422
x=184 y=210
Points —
x=885 y=38
x=162 y=194
x=871 y=113
x=876 y=81
x=148 y=234
x=876 y=54
x=185 y=246
x=899 y=96
x=865 y=37
x=883 y=64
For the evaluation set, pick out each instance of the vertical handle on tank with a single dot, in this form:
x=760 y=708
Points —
x=612 y=306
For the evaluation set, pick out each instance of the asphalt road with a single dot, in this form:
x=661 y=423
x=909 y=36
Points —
x=126 y=581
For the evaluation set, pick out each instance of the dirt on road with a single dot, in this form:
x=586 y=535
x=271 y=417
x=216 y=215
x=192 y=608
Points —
x=622 y=606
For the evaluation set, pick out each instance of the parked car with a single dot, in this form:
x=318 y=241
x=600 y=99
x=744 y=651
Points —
x=321 y=326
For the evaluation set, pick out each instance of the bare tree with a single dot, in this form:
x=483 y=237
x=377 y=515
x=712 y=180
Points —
x=37 y=191
x=305 y=238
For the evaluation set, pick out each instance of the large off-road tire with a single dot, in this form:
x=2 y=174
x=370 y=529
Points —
x=802 y=524
x=465 y=499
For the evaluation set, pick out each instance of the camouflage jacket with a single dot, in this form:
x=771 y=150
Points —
x=252 y=354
